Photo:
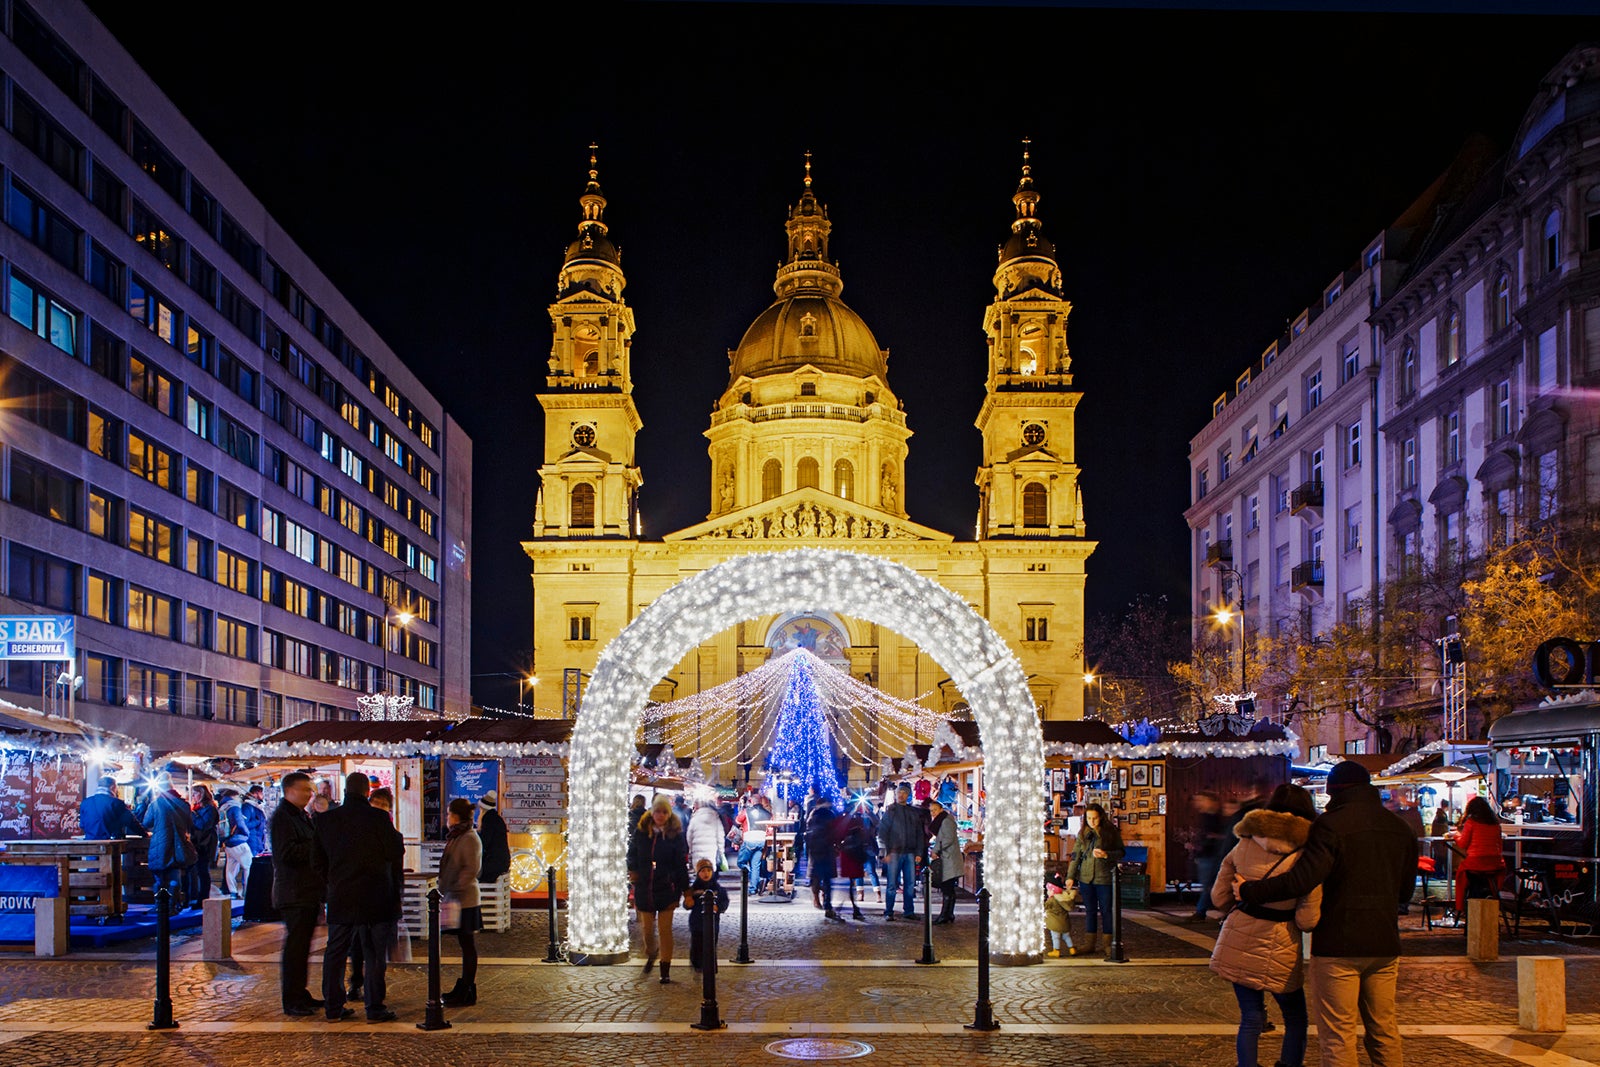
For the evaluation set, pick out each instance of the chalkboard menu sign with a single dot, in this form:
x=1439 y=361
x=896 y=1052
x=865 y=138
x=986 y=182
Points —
x=57 y=793
x=16 y=798
x=535 y=791
x=432 y=803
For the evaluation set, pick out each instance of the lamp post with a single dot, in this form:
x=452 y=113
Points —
x=1091 y=683
x=524 y=683
x=1225 y=614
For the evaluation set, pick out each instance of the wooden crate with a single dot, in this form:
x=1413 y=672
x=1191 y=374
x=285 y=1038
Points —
x=94 y=872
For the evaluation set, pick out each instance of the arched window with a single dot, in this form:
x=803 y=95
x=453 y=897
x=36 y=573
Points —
x=582 y=505
x=771 y=479
x=1452 y=339
x=844 y=480
x=1035 y=505
x=591 y=364
x=807 y=475
x=1552 y=242
x=1502 y=302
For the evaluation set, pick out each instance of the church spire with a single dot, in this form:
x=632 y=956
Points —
x=1028 y=257
x=593 y=261
x=808 y=266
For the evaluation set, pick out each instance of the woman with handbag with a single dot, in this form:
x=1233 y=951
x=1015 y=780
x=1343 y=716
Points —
x=458 y=884
x=658 y=867
x=1095 y=855
x=1258 y=949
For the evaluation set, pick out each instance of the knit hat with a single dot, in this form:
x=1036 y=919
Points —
x=1348 y=772
x=491 y=799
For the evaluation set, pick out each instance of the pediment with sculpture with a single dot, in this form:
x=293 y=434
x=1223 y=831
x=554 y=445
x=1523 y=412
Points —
x=809 y=515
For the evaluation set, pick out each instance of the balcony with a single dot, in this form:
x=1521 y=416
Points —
x=1306 y=495
x=1219 y=554
x=1307 y=575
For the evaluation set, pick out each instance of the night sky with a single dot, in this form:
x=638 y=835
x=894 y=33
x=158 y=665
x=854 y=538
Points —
x=1204 y=177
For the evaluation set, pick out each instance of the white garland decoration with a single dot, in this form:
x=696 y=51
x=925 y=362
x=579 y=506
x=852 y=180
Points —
x=877 y=590
x=1413 y=759
x=1289 y=745
x=269 y=749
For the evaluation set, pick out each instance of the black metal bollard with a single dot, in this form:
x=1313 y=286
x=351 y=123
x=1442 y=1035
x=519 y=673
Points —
x=983 y=1013
x=552 y=952
x=163 y=1010
x=710 y=1019
x=433 y=1015
x=1114 y=954
x=927 y=916
x=743 y=955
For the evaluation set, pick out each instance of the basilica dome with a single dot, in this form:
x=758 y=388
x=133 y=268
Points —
x=808 y=328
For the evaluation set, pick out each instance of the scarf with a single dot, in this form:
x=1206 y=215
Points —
x=457 y=830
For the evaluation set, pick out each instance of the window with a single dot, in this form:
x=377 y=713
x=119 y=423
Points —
x=40 y=312
x=232 y=637
x=1502 y=303
x=1408 y=463
x=1313 y=384
x=106 y=273
x=47 y=52
x=151 y=536
x=1502 y=519
x=1549 y=470
x=202 y=277
x=156 y=162
x=197 y=416
x=771 y=479
x=1224 y=464
x=150 y=461
x=1502 y=408
x=236 y=441
x=235 y=703
x=1036 y=628
x=1202 y=484
x=44 y=226
x=153 y=387
x=197 y=485
x=152 y=688
x=1332 y=293
x=236 y=505
x=1227 y=528
x=105 y=597
x=806 y=474
x=1241 y=381
x=235 y=571
x=1280 y=566
x=1352 y=446
x=1450 y=547
x=197 y=555
x=1035 y=505
x=580 y=628
x=239 y=311
x=247 y=254
x=1407 y=370
x=40 y=401
x=1356 y=748
x=43 y=490
x=150 y=612
x=1410 y=551
x=1452 y=437
x=109 y=195
x=197 y=697
x=1552 y=242
x=104 y=437
x=39 y=578
x=151 y=308
x=105 y=516
x=1314 y=544
x=1451 y=354
x=582 y=505
x=152 y=235
x=808 y=388
x=1349 y=360
x=196 y=626
x=1254 y=510
x=1280 y=418
x=1280 y=493
x=1314 y=466
x=1352 y=528
x=844 y=480
x=102 y=678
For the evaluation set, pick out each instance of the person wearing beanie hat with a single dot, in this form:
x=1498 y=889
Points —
x=1365 y=859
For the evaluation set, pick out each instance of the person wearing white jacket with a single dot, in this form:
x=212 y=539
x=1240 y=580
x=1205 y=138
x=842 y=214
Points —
x=705 y=835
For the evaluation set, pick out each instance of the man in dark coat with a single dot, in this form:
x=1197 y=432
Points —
x=820 y=846
x=362 y=856
x=1365 y=858
x=104 y=817
x=496 y=839
x=171 y=826
x=297 y=890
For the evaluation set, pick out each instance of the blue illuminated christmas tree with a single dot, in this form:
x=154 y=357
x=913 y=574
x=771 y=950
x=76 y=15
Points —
x=803 y=744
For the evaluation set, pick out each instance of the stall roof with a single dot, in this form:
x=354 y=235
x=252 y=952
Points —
x=24 y=729
x=495 y=738
x=1080 y=732
x=1550 y=721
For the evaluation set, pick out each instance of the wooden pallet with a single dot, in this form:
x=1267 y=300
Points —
x=94 y=872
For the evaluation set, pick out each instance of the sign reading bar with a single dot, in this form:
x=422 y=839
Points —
x=37 y=637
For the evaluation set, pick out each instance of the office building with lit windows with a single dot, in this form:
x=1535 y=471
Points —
x=255 y=511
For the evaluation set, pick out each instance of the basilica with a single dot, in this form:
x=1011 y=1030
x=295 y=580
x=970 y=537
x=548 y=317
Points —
x=808 y=447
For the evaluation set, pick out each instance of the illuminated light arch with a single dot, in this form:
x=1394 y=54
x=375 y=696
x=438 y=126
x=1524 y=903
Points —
x=877 y=590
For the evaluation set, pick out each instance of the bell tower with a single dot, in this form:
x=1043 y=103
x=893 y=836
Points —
x=589 y=478
x=1028 y=482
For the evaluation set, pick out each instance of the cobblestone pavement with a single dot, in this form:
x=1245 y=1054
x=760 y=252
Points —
x=1163 y=1008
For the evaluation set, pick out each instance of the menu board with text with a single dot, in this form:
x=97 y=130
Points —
x=535 y=791
x=57 y=795
x=16 y=797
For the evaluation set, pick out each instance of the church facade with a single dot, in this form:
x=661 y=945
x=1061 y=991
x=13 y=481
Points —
x=808 y=446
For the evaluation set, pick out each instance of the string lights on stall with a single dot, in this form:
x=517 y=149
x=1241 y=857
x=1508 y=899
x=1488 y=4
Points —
x=880 y=591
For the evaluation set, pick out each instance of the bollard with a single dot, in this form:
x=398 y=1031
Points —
x=710 y=1019
x=1483 y=930
x=433 y=1015
x=216 y=928
x=1114 y=954
x=552 y=952
x=1542 y=993
x=927 y=916
x=163 y=1014
x=983 y=1013
x=743 y=955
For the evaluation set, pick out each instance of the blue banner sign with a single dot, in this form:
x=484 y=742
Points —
x=37 y=637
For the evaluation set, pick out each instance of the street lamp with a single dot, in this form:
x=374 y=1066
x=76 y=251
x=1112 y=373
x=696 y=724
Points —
x=1091 y=682
x=1224 y=615
x=523 y=684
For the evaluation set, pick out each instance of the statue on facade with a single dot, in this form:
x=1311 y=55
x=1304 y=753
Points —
x=808 y=520
x=886 y=490
x=825 y=524
x=727 y=490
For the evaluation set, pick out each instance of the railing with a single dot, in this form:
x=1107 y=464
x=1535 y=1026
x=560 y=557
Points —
x=1307 y=574
x=1221 y=552
x=1307 y=495
x=811 y=410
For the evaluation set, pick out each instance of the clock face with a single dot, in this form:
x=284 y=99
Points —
x=583 y=436
x=1033 y=434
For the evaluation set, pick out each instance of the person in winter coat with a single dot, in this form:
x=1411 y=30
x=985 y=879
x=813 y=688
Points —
x=822 y=846
x=459 y=869
x=1058 y=917
x=750 y=831
x=944 y=854
x=203 y=813
x=852 y=857
x=901 y=839
x=1365 y=858
x=255 y=820
x=1095 y=854
x=235 y=834
x=705 y=834
x=171 y=826
x=658 y=867
x=1211 y=838
x=362 y=855
x=297 y=890
x=1485 y=863
x=496 y=839
x=1258 y=949
x=104 y=817
x=702 y=884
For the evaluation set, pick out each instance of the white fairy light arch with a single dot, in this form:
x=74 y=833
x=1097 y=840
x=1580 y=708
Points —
x=877 y=590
